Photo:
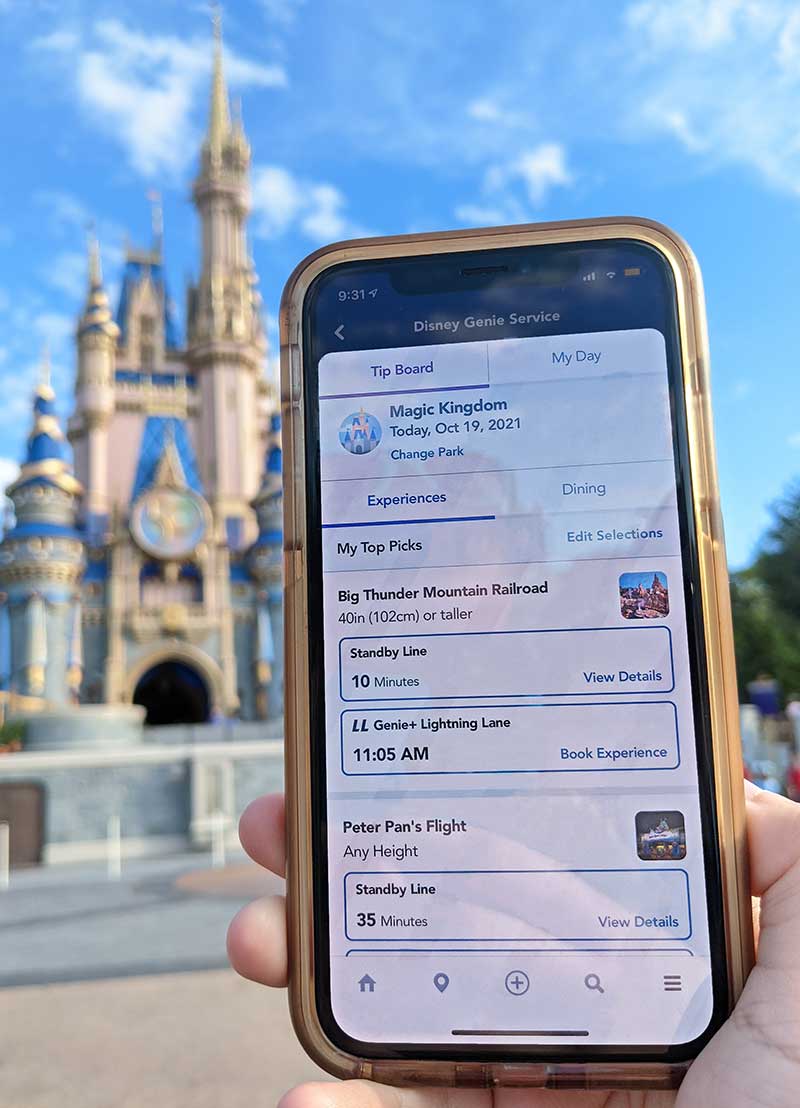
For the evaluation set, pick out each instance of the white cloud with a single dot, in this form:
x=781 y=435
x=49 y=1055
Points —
x=479 y=215
x=276 y=199
x=9 y=471
x=794 y=440
x=65 y=211
x=283 y=202
x=716 y=80
x=676 y=122
x=70 y=218
x=141 y=89
x=66 y=272
x=723 y=78
x=18 y=401
x=512 y=188
x=60 y=40
x=694 y=25
x=53 y=327
x=282 y=12
x=542 y=169
x=324 y=218
x=487 y=110
x=28 y=326
x=789 y=42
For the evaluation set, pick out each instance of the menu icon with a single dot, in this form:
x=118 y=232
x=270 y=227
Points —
x=672 y=983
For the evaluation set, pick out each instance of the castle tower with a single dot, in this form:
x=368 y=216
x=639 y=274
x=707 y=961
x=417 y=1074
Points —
x=42 y=560
x=97 y=335
x=173 y=603
x=264 y=561
x=226 y=344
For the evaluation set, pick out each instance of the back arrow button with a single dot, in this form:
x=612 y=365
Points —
x=338 y=332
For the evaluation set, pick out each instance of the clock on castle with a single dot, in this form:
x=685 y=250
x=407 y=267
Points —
x=143 y=565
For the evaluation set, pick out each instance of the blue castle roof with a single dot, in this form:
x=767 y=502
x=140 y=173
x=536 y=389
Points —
x=44 y=401
x=42 y=446
x=267 y=501
x=274 y=459
x=46 y=440
x=46 y=463
x=157 y=433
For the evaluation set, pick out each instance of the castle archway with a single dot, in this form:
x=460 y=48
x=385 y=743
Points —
x=200 y=664
x=172 y=691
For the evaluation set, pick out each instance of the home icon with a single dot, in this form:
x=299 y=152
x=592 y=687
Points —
x=366 y=984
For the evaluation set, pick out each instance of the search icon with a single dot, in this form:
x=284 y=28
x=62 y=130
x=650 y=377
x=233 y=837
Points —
x=592 y=981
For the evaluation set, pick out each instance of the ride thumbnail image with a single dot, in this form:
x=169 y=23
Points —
x=660 y=836
x=644 y=595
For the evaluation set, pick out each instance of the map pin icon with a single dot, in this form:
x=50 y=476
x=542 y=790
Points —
x=441 y=981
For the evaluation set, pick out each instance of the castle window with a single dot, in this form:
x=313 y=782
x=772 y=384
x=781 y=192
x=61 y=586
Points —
x=147 y=341
x=156 y=589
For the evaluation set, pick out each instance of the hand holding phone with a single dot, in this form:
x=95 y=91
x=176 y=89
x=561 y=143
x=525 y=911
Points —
x=512 y=754
x=738 y=1067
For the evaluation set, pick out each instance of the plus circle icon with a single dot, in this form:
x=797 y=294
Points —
x=517 y=982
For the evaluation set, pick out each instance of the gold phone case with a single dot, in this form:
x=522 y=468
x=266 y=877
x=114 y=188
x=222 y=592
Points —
x=719 y=651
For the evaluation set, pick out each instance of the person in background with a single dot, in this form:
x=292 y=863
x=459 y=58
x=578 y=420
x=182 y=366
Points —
x=793 y=777
x=765 y=693
x=793 y=715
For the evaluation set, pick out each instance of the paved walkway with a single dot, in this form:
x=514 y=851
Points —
x=114 y=994
x=72 y=924
x=186 y=1040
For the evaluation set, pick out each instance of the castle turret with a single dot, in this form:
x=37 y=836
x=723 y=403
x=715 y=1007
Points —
x=264 y=561
x=97 y=335
x=226 y=344
x=42 y=559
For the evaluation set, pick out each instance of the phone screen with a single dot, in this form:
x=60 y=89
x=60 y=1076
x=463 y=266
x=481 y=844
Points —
x=514 y=818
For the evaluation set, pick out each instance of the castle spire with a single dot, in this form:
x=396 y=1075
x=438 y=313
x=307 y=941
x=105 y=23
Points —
x=225 y=338
x=156 y=222
x=95 y=265
x=219 y=113
x=96 y=316
x=46 y=455
x=45 y=388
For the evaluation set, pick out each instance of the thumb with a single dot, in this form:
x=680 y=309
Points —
x=755 y=1057
x=773 y=830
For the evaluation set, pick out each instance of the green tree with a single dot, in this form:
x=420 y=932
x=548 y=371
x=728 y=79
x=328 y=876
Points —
x=766 y=602
x=778 y=562
x=767 y=640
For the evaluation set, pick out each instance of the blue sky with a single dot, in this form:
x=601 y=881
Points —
x=367 y=116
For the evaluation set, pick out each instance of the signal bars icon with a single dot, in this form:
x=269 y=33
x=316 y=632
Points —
x=672 y=983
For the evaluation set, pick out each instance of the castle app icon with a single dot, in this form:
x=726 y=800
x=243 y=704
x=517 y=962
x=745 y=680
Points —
x=360 y=432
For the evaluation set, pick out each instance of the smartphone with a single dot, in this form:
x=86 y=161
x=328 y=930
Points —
x=515 y=813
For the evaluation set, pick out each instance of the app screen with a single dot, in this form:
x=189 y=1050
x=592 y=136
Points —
x=514 y=843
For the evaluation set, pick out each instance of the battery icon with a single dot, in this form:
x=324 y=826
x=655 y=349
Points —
x=634 y=271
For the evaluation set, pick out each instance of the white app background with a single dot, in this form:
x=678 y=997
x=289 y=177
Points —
x=513 y=820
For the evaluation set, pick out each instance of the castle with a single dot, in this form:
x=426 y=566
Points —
x=150 y=573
